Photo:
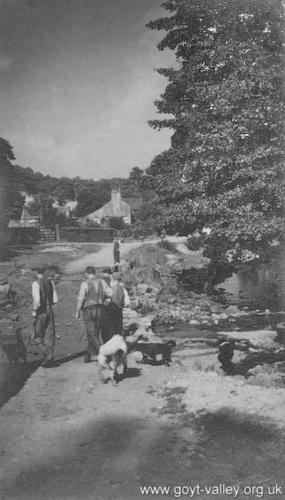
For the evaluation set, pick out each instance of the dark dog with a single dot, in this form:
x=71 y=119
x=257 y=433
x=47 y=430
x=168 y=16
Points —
x=226 y=352
x=151 y=350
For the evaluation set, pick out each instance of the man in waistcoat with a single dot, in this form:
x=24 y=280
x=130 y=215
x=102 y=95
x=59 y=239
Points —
x=92 y=293
x=44 y=297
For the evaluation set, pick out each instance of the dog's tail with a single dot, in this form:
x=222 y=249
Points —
x=171 y=343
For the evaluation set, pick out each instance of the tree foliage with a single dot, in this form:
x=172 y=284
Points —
x=136 y=177
x=116 y=223
x=225 y=103
x=42 y=207
x=11 y=200
x=90 y=194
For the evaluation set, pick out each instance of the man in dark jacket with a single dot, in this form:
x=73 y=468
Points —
x=113 y=312
x=116 y=254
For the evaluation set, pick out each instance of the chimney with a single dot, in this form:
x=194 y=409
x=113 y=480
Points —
x=116 y=198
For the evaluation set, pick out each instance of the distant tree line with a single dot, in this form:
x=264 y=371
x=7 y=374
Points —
x=89 y=194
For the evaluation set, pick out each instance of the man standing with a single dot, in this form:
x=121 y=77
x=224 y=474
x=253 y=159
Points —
x=116 y=254
x=44 y=297
x=92 y=293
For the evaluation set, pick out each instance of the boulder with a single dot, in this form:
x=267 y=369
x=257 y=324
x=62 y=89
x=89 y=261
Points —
x=194 y=322
x=215 y=309
x=171 y=300
x=232 y=310
x=262 y=379
x=130 y=316
x=259 y=369
x=219 y=317
x=142 y=288
x=235 y=311
x=258 y=338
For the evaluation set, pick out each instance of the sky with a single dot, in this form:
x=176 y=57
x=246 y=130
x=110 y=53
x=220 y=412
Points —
x=77 y=85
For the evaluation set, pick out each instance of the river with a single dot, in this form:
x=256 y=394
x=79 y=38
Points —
x=259 y=287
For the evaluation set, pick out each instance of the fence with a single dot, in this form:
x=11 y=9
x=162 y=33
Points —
x=24 y=235
x=86 y=234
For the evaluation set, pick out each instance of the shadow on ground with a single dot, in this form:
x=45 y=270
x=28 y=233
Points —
x=13 y=377
x=66 y=359
x=112 y=458
x=131 y=373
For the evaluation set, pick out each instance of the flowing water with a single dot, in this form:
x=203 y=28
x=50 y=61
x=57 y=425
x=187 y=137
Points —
x=259 y=287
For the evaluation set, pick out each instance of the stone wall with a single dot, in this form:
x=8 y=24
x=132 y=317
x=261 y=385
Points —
x=86 y=234
x=47 y=234
x=23 y=235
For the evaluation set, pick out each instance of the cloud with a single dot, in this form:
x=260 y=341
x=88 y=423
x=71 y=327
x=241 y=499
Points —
x=5 y=62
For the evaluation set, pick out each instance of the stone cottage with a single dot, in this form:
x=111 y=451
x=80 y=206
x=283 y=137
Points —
x=116 y=207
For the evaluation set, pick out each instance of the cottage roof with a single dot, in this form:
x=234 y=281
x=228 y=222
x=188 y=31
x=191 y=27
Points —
x=109 y=210
x=116 y=207
x=134 y=202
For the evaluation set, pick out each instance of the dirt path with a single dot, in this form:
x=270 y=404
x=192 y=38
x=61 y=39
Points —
x=104 y=257
x=67 y=436
x=71 y=437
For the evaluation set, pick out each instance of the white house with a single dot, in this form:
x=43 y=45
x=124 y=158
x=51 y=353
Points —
x=116 y=207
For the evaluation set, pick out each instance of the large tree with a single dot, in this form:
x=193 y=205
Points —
x=225 y=103
x=11 y=202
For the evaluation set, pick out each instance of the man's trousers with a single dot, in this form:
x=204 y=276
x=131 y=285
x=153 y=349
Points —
x=92 y=317
x=45 y=330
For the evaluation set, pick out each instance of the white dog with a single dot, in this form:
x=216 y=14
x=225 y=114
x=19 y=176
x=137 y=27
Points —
x=112 y=355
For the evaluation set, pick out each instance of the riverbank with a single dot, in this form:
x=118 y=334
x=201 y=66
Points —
x=153 y=277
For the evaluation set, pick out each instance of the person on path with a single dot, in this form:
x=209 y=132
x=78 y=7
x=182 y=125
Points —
x=163 y=235
x=116 y=254
x=92 y=294
x=113 y=312
x=44 y=297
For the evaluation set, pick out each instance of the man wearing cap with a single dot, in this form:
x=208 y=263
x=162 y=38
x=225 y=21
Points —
x=91 y=297
x=106 y=273
x=44 y=297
